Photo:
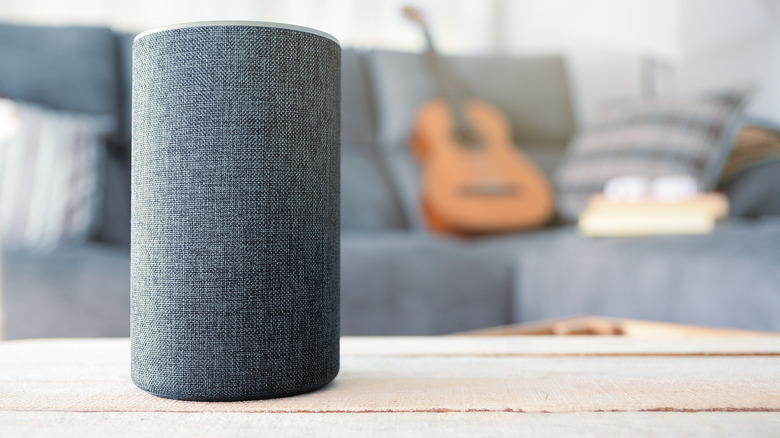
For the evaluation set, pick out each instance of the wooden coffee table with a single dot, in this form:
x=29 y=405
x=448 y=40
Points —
x=422 y=386
x=610 y=326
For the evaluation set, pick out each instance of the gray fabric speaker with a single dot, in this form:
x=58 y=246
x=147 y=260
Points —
x=235 y=211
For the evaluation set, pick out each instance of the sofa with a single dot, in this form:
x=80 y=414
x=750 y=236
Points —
x=397 y=277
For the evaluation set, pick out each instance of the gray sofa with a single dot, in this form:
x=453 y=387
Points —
x=397 y=278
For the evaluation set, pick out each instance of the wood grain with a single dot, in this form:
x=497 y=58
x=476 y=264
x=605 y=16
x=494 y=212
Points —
x=450 y=384
x=407 y=425
x=602 y=325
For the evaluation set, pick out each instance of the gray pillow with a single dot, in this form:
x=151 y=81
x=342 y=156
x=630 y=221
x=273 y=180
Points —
x=649 y=138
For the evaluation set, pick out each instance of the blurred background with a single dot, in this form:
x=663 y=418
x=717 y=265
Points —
x=698 y=80
x=698 y=44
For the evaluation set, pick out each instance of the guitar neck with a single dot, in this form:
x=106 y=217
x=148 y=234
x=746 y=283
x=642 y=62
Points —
x=447 y=87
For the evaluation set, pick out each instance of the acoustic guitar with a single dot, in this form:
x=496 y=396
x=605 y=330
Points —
x=475 y=179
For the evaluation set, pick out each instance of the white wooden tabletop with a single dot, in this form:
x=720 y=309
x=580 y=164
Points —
x=421 y=386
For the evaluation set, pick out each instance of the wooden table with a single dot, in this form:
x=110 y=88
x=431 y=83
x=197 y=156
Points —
x=422 y=386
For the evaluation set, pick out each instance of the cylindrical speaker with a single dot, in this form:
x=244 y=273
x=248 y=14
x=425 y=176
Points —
x=235 y=211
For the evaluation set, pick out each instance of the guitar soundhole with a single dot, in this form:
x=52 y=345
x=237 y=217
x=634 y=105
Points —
x=490 y=190
x=466 y=138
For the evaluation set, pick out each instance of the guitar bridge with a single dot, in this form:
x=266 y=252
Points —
x=489 y=190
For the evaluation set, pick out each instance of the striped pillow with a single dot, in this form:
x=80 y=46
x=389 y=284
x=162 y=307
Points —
x=649 y=138
x=50 y=177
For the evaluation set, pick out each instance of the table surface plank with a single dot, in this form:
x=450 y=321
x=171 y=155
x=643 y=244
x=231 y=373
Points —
x=447 y=386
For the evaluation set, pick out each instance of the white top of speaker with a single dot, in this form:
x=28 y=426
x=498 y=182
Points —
x=240 y=23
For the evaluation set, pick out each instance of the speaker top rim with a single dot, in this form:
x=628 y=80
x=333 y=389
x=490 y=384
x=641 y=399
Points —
x=238 y=23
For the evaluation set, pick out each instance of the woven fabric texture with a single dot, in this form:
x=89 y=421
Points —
x=235 y=212
x=649 y=138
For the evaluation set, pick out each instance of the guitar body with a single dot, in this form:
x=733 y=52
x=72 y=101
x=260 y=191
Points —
x=475 y=179
x=488 y=186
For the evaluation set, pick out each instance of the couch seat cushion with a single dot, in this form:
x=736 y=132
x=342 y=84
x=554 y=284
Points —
x=78 y=291
x=730 y=278
x=404 y=283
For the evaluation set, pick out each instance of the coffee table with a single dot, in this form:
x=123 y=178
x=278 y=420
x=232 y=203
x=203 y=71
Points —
x=422 y=386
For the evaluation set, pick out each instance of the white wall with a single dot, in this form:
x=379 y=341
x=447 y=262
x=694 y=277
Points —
x=745 y=54
x=460 y=25
x=702 y=45
x=604 y=42
x=707 y=44
x=621 y=26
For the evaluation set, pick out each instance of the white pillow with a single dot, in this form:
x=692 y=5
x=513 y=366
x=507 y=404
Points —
x=50 y=176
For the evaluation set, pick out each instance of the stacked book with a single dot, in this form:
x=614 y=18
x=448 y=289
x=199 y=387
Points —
x=609 y=217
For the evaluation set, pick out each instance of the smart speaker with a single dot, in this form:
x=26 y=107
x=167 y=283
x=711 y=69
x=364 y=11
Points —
x=235 y=211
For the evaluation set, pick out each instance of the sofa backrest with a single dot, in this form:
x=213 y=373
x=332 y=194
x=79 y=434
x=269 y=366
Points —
x=71 y=68
x=368 y=201
x=124 y=44
x=89 y=69
x=74 y=68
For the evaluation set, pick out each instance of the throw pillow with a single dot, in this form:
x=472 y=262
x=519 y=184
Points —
x=50 y=177
x=649 y=138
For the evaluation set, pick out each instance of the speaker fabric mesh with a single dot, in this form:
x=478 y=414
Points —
x=235 y=212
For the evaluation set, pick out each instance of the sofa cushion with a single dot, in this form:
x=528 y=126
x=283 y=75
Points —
x=124 y=44
x=71 y=68
x=74 y=291
x=649 y=138
x=114 y=224
x=368 y=201
x=532 y=92
x=358 y=121
x=407 y=283
x=115 y=217
x=728 y=278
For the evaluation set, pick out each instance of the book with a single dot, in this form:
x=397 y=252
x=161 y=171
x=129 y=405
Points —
x=610 y=218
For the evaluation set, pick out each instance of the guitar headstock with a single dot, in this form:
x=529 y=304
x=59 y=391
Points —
x=413 y=14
